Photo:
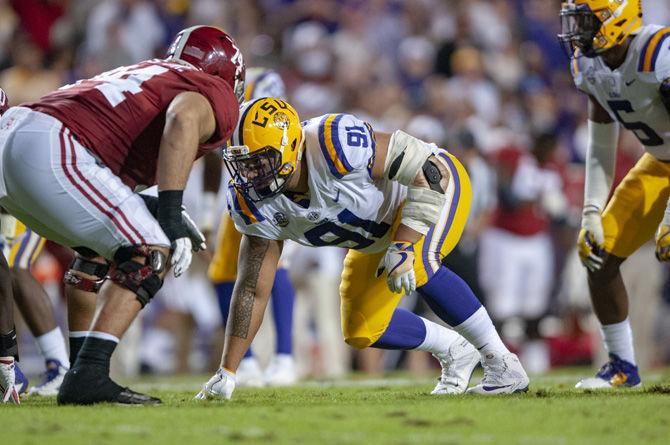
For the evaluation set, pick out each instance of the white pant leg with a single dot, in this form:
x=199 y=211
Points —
x=59 y=189
x=499 y=265
x=538 y=275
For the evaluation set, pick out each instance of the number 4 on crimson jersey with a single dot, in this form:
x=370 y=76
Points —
x=119 y=115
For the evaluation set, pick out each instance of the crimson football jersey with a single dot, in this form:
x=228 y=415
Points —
x=119 y=115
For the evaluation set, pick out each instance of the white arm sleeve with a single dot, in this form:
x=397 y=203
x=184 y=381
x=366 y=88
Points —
x=600 y=163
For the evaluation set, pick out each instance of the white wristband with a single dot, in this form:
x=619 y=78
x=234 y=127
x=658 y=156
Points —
x=600 y=163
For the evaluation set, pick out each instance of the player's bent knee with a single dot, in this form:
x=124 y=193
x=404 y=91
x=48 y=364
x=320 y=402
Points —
x=87 y=274
x=357 y=332
x=139 y=269
x=359 y=342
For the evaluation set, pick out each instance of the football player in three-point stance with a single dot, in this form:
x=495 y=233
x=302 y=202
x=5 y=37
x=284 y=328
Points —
x=69 y=165
x=260 y=82
x=624 y=68
x=397 y=203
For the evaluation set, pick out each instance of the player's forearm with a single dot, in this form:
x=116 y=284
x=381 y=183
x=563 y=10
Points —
x=258 y=264
x=177 y=152
x=600 y=164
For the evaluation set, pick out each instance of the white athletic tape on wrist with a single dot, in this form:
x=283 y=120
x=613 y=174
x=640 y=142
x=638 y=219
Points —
x=600 y=162
x=416 y=152
x=422 y=208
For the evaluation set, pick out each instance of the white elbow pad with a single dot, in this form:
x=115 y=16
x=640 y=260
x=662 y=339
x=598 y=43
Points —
x=600 y=163
x=406 y=155
x=422 y=208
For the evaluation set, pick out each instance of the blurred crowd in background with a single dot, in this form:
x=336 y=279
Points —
x=486 y=79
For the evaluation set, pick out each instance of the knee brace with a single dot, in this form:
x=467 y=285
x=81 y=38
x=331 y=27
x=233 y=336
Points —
x=142 y=279
x=88 y=267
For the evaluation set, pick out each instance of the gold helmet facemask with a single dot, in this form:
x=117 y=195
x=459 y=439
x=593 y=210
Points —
x=594 y=26
x=265 y=148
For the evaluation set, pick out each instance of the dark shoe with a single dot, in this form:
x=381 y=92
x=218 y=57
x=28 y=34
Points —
x=85 y=385
x=130 y=397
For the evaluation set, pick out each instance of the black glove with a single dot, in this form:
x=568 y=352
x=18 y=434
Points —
x=196 y=236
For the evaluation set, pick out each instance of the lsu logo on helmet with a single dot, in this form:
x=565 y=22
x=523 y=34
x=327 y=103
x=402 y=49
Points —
x=265 y=148
x=594 y=26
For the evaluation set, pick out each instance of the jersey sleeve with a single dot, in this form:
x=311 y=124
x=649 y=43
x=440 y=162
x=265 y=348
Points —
x=347 y=144
x=654 y=52
x=662 y=61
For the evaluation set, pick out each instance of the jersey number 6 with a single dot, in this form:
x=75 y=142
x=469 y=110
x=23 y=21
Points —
x=646 y=135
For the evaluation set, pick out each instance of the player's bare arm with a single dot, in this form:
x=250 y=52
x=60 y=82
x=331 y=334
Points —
x=256 y=271
x=189 y=121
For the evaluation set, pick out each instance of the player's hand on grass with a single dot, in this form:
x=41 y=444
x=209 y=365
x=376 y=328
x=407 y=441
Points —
x=399 y=265
x=591 y=240
x=220 y=386
x=8 y=391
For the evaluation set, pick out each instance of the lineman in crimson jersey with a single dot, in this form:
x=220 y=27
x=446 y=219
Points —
x=71 y=161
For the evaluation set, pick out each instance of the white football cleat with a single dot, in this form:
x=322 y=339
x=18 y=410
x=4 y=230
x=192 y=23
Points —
x=249 y=373
x=458 y=363
x=281 y=371
x=53 y=378
x=8 y=389
x=503 y=374
x=220 y=386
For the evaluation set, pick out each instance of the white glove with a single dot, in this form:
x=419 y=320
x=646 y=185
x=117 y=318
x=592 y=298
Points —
x=181 y=255
x=194 y=234
x=591 y=240
x=399 y=264
x=8 y=392
x=220 y=386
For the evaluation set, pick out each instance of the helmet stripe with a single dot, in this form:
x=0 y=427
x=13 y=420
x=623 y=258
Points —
x=238 y=134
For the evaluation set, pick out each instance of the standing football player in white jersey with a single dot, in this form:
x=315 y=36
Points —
x=624 y=67
x=397 y=203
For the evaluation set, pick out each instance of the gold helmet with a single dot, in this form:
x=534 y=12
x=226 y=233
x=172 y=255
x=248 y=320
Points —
x=594 y=26
x=265 y=148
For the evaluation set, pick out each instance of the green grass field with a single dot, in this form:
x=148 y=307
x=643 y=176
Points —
x=391 y=411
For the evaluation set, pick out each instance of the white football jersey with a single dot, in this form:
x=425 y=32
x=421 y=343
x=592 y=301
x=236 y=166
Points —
x=630 y=93
x=344 y=207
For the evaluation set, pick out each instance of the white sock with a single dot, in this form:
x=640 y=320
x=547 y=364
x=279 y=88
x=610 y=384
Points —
x=479 y=330
x=438 y=338
x=618 y=339
x=52 y=346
